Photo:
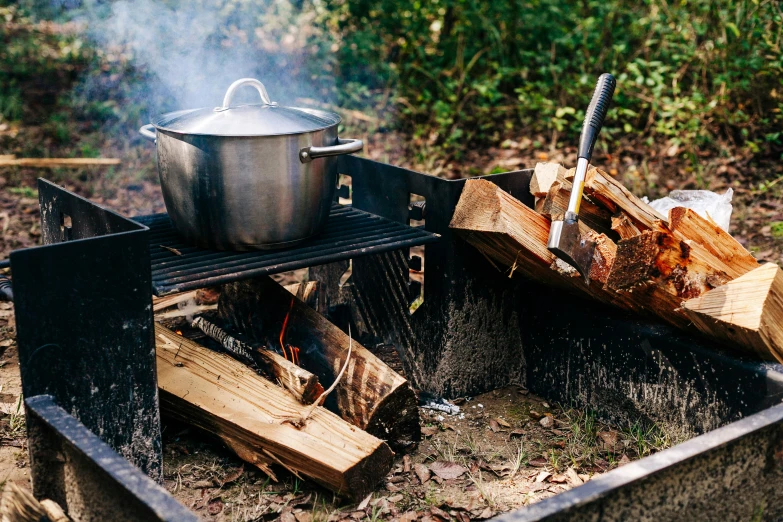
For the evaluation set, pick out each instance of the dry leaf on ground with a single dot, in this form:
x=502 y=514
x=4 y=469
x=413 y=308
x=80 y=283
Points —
x=422 y=472
x=447 y=470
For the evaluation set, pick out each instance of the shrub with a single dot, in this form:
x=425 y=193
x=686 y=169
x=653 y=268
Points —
x=690 y=72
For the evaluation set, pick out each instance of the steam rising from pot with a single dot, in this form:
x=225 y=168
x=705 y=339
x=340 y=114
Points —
x=190 y=51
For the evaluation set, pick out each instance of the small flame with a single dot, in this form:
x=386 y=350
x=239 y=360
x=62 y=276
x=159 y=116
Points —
x=179 y=332
x=282 y=333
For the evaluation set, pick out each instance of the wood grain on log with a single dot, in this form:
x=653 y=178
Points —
x=370 y=395
x=624 y=227
x=747 y=311
x=714 y=239
x=306 y=292
x=214 y=392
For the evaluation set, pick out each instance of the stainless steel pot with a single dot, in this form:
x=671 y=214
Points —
x=248 y=177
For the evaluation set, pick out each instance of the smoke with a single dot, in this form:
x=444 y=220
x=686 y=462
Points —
x=189 y=52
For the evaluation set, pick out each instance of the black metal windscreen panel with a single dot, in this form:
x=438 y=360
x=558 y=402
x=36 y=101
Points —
x=349 y=233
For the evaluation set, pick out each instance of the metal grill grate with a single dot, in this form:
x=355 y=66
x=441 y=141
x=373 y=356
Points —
x=349 y=233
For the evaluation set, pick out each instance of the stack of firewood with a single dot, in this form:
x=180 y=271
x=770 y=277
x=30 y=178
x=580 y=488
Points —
x=267 y=402
x=682 y=268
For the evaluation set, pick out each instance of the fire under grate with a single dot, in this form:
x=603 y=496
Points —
x=349 y=233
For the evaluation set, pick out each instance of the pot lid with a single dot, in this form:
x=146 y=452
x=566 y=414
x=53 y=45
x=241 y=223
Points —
x=264 y=119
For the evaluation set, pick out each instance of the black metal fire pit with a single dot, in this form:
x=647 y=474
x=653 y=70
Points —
x=475 y=330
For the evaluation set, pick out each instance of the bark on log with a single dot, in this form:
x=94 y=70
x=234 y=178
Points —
x=685 y=268
x=303 y=385
x=370 y=395
x=214 y=392
x=746 y=311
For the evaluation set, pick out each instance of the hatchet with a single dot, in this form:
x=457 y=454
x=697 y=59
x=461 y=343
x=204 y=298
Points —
x=565 y=241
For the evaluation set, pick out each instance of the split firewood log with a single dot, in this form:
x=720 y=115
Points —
x=370 y=395
x=222 y=396
x=747 y=311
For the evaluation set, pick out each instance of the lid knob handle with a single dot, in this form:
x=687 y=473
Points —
x=241 y=83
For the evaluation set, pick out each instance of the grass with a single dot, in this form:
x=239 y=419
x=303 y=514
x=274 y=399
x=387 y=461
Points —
x=25 y=192
x=646 y=438
x=776 y=227
x=520 y=460
x=489 y=497
x=16 y=423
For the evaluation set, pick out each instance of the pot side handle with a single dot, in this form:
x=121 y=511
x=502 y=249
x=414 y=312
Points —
x=148 y=131
x=344 y=146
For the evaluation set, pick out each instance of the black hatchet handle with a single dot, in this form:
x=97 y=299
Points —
x=596 y=112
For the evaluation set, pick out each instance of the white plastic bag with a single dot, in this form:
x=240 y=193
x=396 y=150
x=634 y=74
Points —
x=716 y=207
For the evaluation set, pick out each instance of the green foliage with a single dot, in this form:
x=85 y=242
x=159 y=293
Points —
x=38 y=60
x=689 y=71
x=776 y=227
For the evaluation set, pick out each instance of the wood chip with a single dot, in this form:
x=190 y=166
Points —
x=447 y=470
x=172 y=250
x=494 y=425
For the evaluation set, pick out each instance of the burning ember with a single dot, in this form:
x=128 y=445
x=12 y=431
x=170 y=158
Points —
x=179 y=332
x=294 y=351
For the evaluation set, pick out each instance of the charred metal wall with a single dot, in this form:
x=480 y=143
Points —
x=465 y=337
x=84 y=324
